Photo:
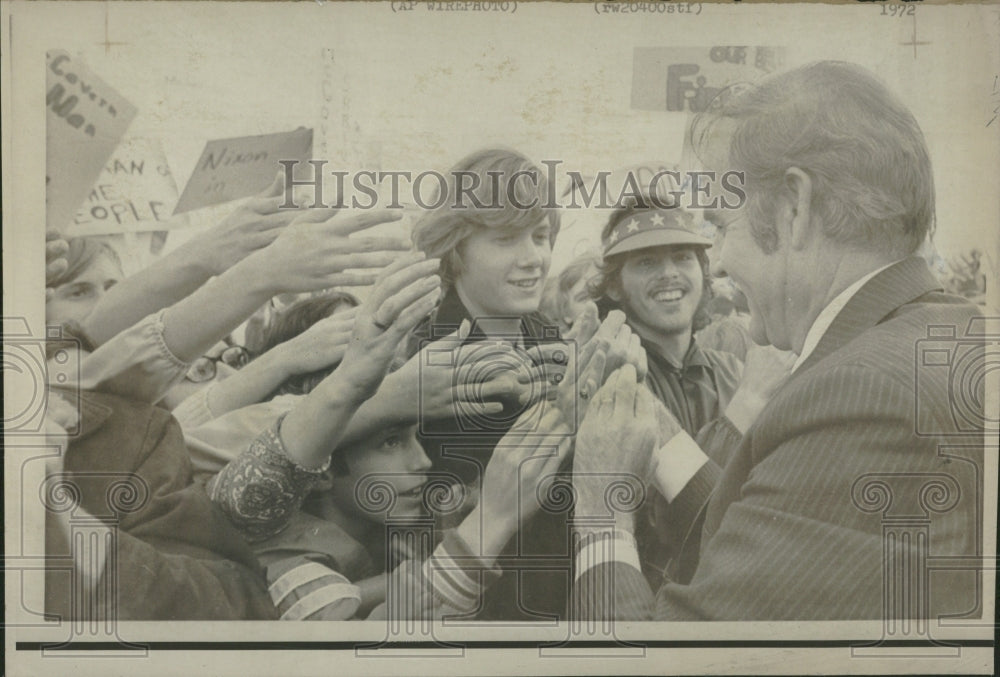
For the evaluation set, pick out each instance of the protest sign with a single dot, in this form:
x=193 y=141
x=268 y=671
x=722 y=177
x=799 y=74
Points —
x=233 y=168
x=135 y=192
x=686 y=79
x=85 y=119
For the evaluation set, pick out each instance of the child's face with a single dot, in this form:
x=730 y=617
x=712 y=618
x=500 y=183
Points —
x=503 y=271
x=394 y=457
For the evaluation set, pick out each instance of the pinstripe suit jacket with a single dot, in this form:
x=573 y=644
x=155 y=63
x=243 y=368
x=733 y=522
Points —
x=859 y=448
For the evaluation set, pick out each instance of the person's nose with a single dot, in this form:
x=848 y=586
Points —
x=531 y=254
x=419 y=461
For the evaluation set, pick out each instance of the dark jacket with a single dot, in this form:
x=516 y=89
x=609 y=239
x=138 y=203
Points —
x=177 y=557
x=537 y=566
x=859 y=485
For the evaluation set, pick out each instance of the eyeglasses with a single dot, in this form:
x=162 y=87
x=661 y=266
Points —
x=204 y=368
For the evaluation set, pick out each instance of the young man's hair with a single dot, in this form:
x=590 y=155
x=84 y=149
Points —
x=491 y=188
x=610 y=269
x=872 y=184
x=82 y=254
x=292 y=321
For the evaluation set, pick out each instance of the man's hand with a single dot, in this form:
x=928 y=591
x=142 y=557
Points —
x=404 y=294
x=614 y=444
x=765 y=370
x=313 y=252
x=250 y=227
x=533 y=450
x=608 y=347
x=320 y=346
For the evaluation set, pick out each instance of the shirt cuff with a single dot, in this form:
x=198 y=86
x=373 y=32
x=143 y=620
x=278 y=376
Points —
x=194 y=411
x=604 y=547
x=456 y=575
x=676 y=462
x=136 y=363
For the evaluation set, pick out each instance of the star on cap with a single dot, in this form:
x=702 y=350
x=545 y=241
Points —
x=632 y=226
x=657 y=219
x=613 y=237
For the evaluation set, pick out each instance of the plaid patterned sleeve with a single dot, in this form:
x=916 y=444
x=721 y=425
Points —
x=262 y=489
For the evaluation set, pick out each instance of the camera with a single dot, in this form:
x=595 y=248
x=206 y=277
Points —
x=967 y=360
x=482 y=363
x=28 y=374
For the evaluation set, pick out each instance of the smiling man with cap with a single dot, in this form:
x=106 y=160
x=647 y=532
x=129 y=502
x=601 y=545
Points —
x=655 y=270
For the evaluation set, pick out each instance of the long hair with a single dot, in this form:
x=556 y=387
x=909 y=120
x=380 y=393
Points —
x=610 y=269
x=498 y=194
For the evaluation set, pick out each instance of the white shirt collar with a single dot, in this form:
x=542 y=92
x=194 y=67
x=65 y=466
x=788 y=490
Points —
x=829 y=314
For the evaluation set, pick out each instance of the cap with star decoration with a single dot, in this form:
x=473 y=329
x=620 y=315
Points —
x=650 y=228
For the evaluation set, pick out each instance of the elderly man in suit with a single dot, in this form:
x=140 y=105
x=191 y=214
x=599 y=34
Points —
x=803 y=515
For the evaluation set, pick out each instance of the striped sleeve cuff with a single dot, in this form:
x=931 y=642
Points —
x=456 y=576
x=303 y=589
x=601 y=547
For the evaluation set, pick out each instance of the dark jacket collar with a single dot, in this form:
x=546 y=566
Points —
x=694 y=357
x=451 y=312
x=893 y=287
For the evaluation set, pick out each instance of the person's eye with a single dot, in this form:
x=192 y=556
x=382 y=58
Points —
x=78 y=292
x=391 y=442
x=541 y=238
x=683 y=257
x=510 y=238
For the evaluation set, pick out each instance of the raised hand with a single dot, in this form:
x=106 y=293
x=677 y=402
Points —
x=320 y=346
x=765 y=370
x=316 y=249
x=250 y=227
x=56 y=248
x=615 y=440
x=531 y=451
x=405 y=293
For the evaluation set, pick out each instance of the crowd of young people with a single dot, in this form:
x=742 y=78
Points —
x=428 y=450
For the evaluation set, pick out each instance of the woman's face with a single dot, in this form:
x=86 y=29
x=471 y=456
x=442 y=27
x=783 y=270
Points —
x=393 y=457
x=75 y=300
x=503 y=271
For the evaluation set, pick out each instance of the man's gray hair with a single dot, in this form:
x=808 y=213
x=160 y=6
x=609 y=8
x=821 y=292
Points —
x=872 y=184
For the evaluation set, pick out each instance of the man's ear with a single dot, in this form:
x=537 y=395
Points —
x=798 y=208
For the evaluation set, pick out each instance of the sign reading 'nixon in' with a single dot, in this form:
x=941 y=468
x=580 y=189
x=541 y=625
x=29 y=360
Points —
x=84 y=120
x=233 y=168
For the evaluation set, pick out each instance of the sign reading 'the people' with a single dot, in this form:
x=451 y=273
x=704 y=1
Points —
x=135 y=192
x=85 y=118
x=233 y=168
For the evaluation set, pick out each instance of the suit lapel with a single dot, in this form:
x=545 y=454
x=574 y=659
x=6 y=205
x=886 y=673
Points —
x=893 y=287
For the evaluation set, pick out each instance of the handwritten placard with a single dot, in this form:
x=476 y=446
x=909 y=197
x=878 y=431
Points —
x=687 y=79
x=233 y=168
x=85 y=119
x=134 y=193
